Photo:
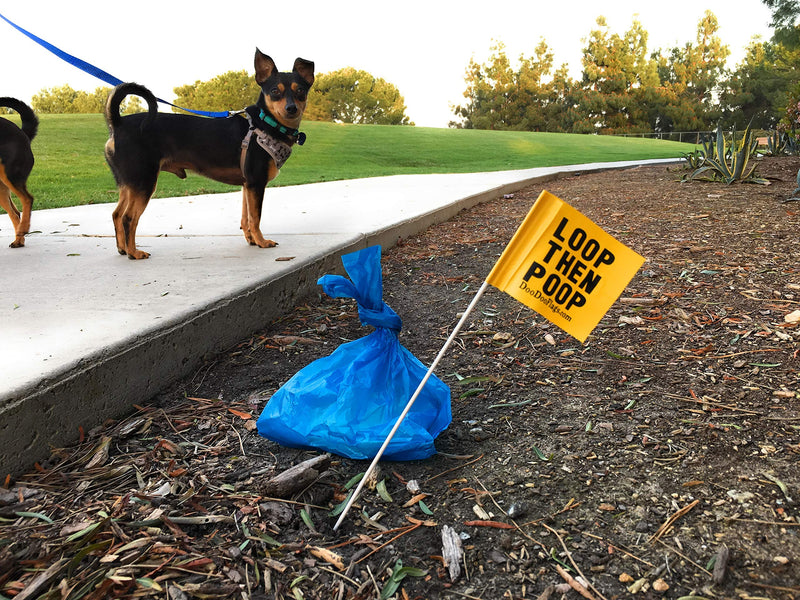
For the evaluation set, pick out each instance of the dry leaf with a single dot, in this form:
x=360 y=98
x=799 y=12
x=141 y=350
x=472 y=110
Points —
x=99 y=454
x=241 y=414
x=414 y=500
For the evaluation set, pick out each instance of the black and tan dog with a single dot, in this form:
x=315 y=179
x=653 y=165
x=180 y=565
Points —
x=234 y=150
x=16 y=162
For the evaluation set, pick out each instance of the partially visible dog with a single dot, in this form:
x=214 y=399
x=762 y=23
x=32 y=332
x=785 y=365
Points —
x=16 y=163
x=239 y=150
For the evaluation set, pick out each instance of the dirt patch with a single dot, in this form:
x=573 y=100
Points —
x=658 y=459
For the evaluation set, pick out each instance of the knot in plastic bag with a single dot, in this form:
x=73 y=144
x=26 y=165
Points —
x=365 y=286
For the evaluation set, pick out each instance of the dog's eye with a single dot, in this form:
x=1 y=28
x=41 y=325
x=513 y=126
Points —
x=275 y=93
x=300 y=94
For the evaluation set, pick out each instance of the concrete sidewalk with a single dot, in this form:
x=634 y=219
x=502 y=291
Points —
x=86 y=332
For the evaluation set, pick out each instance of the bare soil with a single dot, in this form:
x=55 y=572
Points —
x=657 y=460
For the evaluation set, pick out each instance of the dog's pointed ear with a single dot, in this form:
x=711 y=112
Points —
x=304 y=68
x=265 y=66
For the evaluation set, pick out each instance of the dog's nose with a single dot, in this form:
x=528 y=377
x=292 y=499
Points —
x=291 y=109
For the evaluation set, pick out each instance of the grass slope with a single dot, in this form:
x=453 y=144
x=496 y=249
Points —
x=70 y=167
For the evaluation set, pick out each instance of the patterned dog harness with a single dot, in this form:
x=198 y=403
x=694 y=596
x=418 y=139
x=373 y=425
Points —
x=278 y=150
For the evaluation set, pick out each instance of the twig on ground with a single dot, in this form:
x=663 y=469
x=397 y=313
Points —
x=573 y=583
x=711 y=401
x=671 y=521
x=408 y=529
x=777 y=588
x=453 y=469
x=618 y=548
x=572 y=562
x=684 y=557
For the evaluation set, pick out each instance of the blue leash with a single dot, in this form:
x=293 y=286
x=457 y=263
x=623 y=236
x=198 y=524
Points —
x=99 y=73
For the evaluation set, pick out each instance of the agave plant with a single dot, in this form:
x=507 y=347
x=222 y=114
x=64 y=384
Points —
x=694 y=159
x=776 y=143
x=792 y=145
x=707 y=142
x=729 y=161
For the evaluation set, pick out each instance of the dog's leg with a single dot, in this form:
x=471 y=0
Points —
x=130 y=221
x=134 y=207
x=26 y=200
x=254 y=200
x=13 y=214
x=116 y=216
x=246 y=219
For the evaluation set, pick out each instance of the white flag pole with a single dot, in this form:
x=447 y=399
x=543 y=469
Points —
x=422 y=383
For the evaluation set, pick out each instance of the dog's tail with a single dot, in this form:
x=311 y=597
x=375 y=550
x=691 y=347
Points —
x=30 y=122
x=115 y=98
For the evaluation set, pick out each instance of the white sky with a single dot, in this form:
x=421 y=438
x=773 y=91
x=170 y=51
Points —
x=422 y=47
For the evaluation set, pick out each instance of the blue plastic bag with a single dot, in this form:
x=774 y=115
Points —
x=347 y=403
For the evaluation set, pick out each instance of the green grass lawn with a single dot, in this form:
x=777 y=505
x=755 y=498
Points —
x=70 y=167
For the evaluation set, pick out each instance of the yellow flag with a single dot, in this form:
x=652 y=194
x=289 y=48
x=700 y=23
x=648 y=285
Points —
x=565 y=267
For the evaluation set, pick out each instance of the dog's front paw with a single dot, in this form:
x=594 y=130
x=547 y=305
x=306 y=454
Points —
x=256 y=238
x=17 y=243
x=138 y=255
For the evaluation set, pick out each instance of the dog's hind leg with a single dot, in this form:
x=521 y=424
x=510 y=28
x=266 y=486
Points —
x=130 y=221
x=251 y=217
x=126 y=219
x=116 y=216
x=26 y=200
x=13 y=213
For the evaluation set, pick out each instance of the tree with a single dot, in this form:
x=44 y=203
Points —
x=785 y=14
x=233 y=90
x=692 y=76
x=529 y=97
x=615 y=71
x=665 y=109
x=354 y=96
x=758 y=88
x=64 y=99
x=563 y=110
x=530 y=93
x=490 y=92
x=614 y=64
x=785 y=17
x=54 y=100
x=697 y=69
x=623 y=88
